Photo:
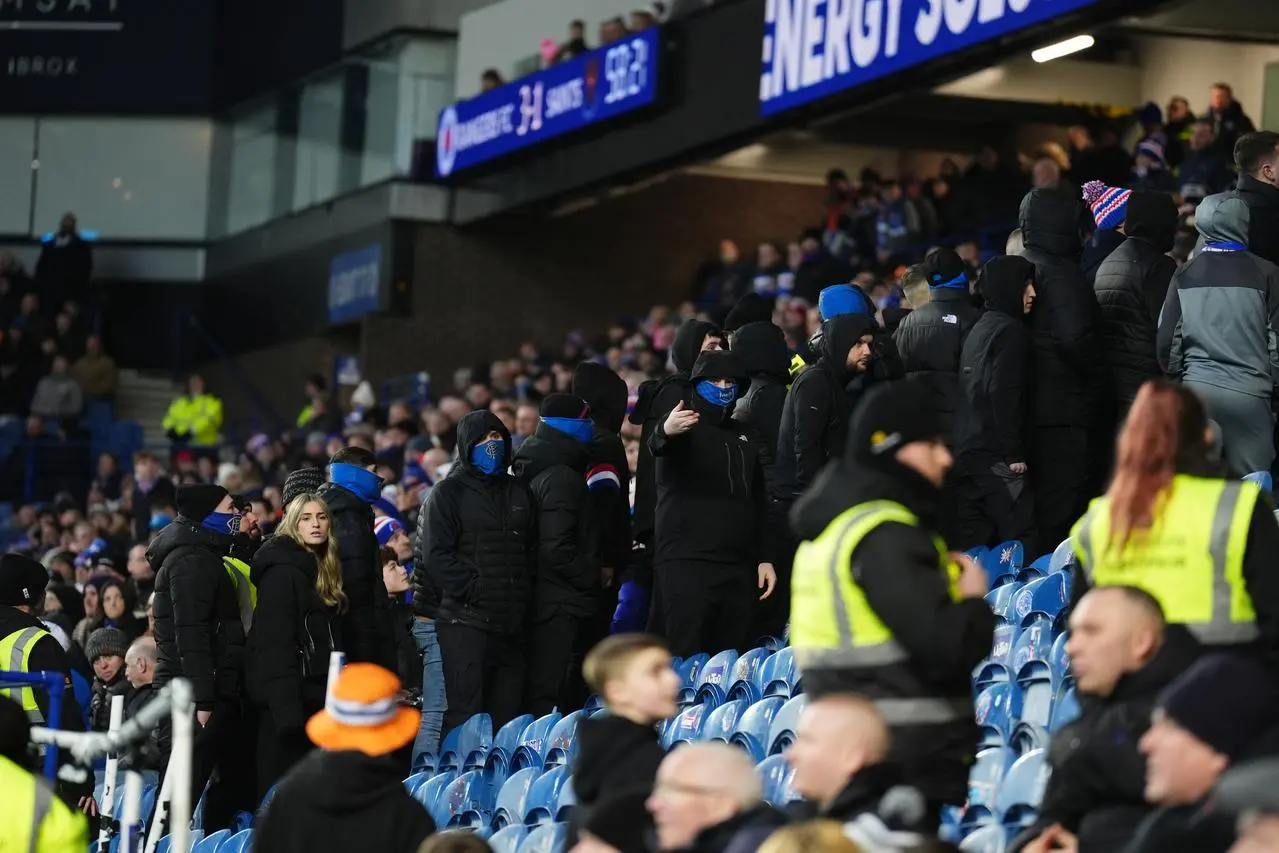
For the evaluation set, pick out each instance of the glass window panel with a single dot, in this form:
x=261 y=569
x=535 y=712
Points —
x=17 y=150
x=253 y=151
x=319 y=148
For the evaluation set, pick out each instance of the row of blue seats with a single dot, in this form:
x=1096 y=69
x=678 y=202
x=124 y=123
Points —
x=1005 y=563
x=760 y=672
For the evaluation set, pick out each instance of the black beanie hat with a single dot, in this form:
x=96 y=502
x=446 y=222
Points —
x=22 y=580
x=751 y=308
x=890 y=416
x=620 y=821
x=564 y=406
x=105 y=642
x=196 y=502
x=300 y=482
x=944 y=266
x=1226 y=701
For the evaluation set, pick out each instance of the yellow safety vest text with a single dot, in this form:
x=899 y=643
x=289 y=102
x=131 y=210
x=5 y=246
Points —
x=15 y=656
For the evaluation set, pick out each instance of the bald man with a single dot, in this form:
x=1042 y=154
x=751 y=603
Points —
x=1122 y=657
x=707 y=797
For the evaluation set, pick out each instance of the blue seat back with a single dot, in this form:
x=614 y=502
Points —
x=1003 y=562
x=714 y=679
x=237 y=843
x=686 y=727
x=1059 y=660
x=411 y=784
x=546 y=838
x=513 y=798
x=984 y=778
x=1000 y=600
x=997 y=709
x=1042 y=598
x=778 y=675
x=781 y=734
x=1033 y=646
x=1262 y=479
x=987 y=839
x=1023 y=787
x=542 y=805
x=777 y=778
x=1065 y=709
x=508 y=838
x=534 y=742
x=466 y=793
x=754 y=726
x=428 y=794
x=474 y=739
x=210 y=843
x=772 y=644
x=447 y=759
x=744 y=683
x=1063 y=557
x=720 y=723
x=561 y=743
x=497 y=763
x=691 y=667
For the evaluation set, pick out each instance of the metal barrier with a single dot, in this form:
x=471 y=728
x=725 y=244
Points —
x=52 y=683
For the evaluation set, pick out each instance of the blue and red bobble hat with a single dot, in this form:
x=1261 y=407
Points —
x=384 y=528
x=1109 y=205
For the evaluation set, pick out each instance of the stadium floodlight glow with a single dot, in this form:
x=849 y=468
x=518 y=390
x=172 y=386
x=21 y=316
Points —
x=1062 y=48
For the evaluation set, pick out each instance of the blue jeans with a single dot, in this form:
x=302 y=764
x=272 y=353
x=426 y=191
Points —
x=434 y=699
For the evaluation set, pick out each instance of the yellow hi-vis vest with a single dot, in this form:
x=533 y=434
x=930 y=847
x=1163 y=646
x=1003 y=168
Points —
x=1191 y=559
x=245 y=592
x=197 y=418
x=833 y=626
x=15 y=656
x=33 y=819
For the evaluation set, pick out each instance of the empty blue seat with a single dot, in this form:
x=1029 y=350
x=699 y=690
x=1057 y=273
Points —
x=1063 y=558
x=1021 y=791
x=164 y=846
x=997 y=709
x=1262 y=479
x=513 y=798
x=593 y=703
x=754 y=725
x=686 y=727
x=779 y=675
x=542 y=805
x=745 y=677
x=978 y=553
x=125 y=438
x=720 y=723
x=1059 y=660
x=781 y=734
x=210 y=843
x=562 y=744
x=568 y=799
x=987 y=839
x=428 y=793
x=546 y=838
x=983 y=786
x=995 y=669
x=533 y=742
x=777 y=778
x=1043 y=599
x=1065 y=709
x=1003 y=562
x=411 y=784
x=1000 y=600
x=465 y=803
x=237 y=843
x=1037 y=569
x=1033 y=648
x=425 y=762
x=466 y=746
x=690 y=667
x=498 y=761
x=508 y=838
x=714 y=679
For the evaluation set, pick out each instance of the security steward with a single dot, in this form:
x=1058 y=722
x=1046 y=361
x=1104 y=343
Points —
x=32 y=818
x=879 y=606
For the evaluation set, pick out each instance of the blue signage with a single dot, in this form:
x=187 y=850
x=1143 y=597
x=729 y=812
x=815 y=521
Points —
x=815 y=48
x=355 y=284
x=592 y=88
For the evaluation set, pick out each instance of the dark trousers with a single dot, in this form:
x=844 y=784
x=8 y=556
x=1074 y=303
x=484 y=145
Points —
x=993 y=505
x=554 y=641
x=772 y=614
x=219 y=746
x=483 y=672
x=708 y=607
x=1059 y=476
x=277 y=751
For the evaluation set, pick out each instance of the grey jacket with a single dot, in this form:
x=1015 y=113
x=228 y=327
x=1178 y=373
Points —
x=1220 y=322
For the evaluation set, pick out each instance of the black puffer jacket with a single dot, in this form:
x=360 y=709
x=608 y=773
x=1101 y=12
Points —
x=815 y=417
x=1069 y=366
x=553 y=467
x=366 y=628
x=930 y=340
x=476 y=541
x=1263 y=216
x=761 y=348
x=293 y=633
x=198 y=632
x=1131 y=285
x=609 y=475
x=656 y=399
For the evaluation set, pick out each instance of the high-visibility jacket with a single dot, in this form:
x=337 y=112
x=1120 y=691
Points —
x=246 y=592
x=198 y=419
x=15 y=656
x=304 y=416
x=33 y=819
x=797 y=364
x=834 y=627
x=1190 y=560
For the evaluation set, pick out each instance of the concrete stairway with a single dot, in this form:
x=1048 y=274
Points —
x=145 y=398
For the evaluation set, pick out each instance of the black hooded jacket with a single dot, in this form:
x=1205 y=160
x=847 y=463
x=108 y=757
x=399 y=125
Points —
x=552 y=465
x=655 y=400
x=1068 y=364
x=713 y=504
x=334 y=802
x=609 y=475
x=1131 y=286
x=995 y=370
x=366 y=626
x=930 y=340
x=1263 y=216
x=614 y=755
x=815 y=417
x=743 y=833
x=761 y=348
x=477 y=541
x=287 y=665
x=1098 y=780
x=198 y=632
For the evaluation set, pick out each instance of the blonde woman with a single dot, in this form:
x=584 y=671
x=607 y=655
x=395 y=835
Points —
x=295 y=627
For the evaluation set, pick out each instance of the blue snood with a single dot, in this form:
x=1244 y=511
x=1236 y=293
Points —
x=489 y=456
x=578 y=429
x=715 y=395
x=226 y=523
x=959 y=282
x=362 y=483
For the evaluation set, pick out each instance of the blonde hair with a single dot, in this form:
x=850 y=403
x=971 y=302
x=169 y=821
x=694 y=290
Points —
x=611 y=656
x=328 y=581
x=814 y=836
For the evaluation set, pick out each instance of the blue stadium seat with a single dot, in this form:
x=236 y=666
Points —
x=125 y=439
x=508 y=838
x=722 y=722
x=467 y=803
x=1037 y=568
x=567 y=800
x=714 y=679
x=425 y=762
x=987 y=839
x=1034 y=645
x=467 y=745
x=686 y=727
x=237 y=843
x=1065 y=709
x=745 y=678
x=428 y=794
x=542 y=804
x=779 y=676
x=561 y=746
x=997 y=709
x=498 y=761
x=781 y=734
x=753 y=727
x=1059 y=660
x=533 y=742
x=1021 y=791
x=1003 y=562
x=978 y=553
x=690 y=667
x=983 y=786
x=547 y=838
x=411 y=784
x=164 y=846
x=512 y=798
x=210 y=843
x=995 y=669
x=777 y=778
x=98 y=415
x=593 y=703
x=1262 y=479
x=447 y=759
x=1063 y=558
x=1042 y=599
x=1038 y=689
x=1000 y=600
x=773 y=644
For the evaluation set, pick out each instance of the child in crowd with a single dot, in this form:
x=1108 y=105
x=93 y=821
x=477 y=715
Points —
x=105 y=651
x=620 y=751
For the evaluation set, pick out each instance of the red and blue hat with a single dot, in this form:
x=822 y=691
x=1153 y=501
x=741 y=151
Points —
x=1109 y=205
x=384 y=528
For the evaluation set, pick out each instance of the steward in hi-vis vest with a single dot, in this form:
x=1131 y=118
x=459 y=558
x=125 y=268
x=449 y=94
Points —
x=879 y=607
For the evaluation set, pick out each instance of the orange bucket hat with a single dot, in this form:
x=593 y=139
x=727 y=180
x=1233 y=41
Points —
x=362 y=713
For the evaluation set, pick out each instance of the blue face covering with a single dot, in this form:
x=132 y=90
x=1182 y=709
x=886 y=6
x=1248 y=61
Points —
x=715 y=395
x=226 y=523
x=489 y=456
x=361 y=482
x=579 y=429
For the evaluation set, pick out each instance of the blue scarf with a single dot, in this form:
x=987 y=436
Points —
x=408 y=568
x=489 y=457
x=715 y=395
x=226 y=523
x=959 y=282
x=362 y=483
x=578 y=429
x=1225 y=246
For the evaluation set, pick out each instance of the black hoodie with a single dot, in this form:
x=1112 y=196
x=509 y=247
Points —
x=609 y=475
x=335 y=802
x=995 y=371
x=1131 y=286
x=553 y=465
x=614 y=755
x=367 y=631
x=476 y=541
x=1068 y=365
x=761 y=348
x=655 y=400
x=815 y=417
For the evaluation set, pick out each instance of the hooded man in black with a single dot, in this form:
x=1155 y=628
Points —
x=714 y=536
x=552 y=464
x=1069 y=367
x=992 y=493
x=474 y=569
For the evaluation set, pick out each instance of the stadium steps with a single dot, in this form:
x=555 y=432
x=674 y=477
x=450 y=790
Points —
x=144 y=399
